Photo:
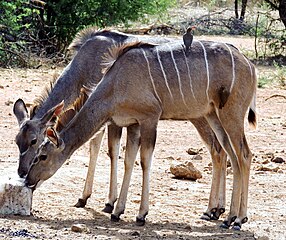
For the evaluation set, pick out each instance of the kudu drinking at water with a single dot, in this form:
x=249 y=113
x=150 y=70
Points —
x=144 y=83
x=85 y=69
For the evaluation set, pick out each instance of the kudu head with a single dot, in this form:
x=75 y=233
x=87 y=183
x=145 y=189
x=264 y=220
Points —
x=45 y=161
x=31 y=133
x=45 y=164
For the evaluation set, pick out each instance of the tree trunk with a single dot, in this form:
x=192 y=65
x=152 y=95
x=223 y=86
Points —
x=282 y=11
x=243 y=9
x=236 y=8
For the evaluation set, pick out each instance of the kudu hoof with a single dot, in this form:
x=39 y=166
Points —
x=216 y=212
x=226 y=224
x=108 y=208
x=140 y=221
x=206 y=216
x=114 y=218
x=80 y=203
x=236 y=226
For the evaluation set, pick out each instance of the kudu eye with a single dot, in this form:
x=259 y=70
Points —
x=43 y=157
x=33 y=142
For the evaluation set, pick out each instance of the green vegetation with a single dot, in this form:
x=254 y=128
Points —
x=31 y=29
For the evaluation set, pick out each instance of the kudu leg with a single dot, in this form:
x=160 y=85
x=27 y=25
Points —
x=132 y=146
x=94 y=147
x=244 y=157
x=148 y=139
x=114 y=136
x=224 y=140
x=216 y=205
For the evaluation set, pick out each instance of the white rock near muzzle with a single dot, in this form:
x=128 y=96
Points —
x=15 y=197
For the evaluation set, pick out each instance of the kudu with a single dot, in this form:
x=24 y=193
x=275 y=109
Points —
x=144 y=83
x=85 y=69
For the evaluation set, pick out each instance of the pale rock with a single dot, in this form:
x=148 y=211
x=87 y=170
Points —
x=79 y=228
x=15 y=197
x=186 y=171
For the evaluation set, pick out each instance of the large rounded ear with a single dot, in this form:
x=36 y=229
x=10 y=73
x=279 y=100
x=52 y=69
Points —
x=53 y=137
x=55 y=111
x=20 y=111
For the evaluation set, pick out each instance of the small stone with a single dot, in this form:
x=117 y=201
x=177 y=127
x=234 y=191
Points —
x=266 y=161
x=197 y=157
x=193 y=151
x=185 y=171
x=278 y=160
x=267 y=168
x=79 y=228
x=135 y=233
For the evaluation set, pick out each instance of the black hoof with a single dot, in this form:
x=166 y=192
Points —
x=206 y=216
x=244 y=220
x=225 y=225
x=236 y=226
x=140 y=221
x=80 y=203
x=108 y=208
x=114 y=218
x=216 y=214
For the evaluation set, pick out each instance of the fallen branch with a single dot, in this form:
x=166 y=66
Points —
x=275 y=95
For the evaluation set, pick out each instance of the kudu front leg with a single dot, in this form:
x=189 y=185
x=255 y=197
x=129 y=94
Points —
x=94 y=147
x=114 y=137
x=132 y=146
x=148 y=140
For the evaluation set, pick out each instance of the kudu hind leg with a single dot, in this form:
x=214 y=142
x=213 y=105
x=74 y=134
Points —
x=114 y=137
x=216 y=205
x=244 y=157
x=224 y=140
x=132 y=146
x=94 y=147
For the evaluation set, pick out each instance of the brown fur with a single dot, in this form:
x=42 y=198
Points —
x=116 y=51
x=66 y=116
x=38 y=101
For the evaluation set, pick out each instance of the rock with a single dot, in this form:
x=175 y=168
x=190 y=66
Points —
x=186 y=171
x=197 y=157
x=79 y=228
x=267 y=168
x=278 y=160
x=193 y=151
x=15 y=197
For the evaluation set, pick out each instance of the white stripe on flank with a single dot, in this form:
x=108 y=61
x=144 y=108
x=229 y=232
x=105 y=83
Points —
x=207 y=69
x=152 y=80
x=178 y=74
x=164 y=74
x=248 y=64
x=189 y=73
x=233 y=69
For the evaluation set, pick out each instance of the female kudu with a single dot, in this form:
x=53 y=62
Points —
x=144 y=83
x=85 y=69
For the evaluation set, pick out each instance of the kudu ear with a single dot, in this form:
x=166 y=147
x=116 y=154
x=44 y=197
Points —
x=54 y=112
x=54 y=138
x=20 y=111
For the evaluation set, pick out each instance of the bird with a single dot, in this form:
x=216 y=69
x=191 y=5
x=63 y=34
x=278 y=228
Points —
x=188 y=38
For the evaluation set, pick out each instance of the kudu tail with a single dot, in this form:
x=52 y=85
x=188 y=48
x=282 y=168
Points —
x=252 y=112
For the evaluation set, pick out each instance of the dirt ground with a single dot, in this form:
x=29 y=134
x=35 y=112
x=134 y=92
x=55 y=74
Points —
x=175 y=205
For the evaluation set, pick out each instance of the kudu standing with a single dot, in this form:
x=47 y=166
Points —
x=85 y=69
x=144 y=83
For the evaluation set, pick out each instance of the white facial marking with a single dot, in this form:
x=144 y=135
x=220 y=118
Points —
x=152 y=80
x=207 y=69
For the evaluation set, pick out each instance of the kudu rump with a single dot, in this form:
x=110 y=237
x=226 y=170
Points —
x=144 y=83
x=85 y=69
